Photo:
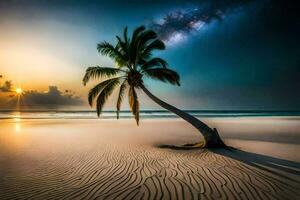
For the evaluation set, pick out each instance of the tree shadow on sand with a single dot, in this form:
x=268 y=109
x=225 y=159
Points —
x=266 y=163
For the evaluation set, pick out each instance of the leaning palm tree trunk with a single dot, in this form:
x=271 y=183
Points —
x=211 y=136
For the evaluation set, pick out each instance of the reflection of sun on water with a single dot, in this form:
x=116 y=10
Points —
x=17 y=120
x=12 y=135
x=18 y=127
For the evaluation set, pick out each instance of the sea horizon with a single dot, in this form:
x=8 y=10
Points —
x=147 y=113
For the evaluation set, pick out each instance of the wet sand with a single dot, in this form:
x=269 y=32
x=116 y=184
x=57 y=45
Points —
x=110 y=159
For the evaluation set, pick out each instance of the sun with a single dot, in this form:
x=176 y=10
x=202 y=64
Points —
x=19 y=90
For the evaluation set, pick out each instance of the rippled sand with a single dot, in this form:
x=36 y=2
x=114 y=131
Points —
x=109 y=159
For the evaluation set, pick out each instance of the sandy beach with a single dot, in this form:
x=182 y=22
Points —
x=110 y=159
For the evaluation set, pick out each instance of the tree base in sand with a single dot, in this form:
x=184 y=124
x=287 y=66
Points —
x=211 y=141
x=200 y=145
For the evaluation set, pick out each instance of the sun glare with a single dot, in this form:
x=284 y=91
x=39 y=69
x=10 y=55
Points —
x=19 y=90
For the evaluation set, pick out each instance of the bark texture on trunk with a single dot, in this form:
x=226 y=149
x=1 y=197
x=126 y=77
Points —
x=211 y=136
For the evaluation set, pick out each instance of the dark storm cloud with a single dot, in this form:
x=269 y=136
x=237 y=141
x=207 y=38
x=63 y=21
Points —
x=52 y=97
x=6 y=87
x=184 y=21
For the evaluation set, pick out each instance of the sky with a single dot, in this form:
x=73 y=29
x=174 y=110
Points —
x=231 y=54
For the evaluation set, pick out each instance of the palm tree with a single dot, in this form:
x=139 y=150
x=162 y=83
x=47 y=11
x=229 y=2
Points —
x=135 y=62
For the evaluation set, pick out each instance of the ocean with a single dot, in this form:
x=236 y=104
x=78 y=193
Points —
x=143 y=114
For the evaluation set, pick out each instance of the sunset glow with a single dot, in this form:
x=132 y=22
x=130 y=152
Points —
x=19 y=90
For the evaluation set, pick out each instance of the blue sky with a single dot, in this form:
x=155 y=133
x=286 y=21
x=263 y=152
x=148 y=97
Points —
x=247 y=58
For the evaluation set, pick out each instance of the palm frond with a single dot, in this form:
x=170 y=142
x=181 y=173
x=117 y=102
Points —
x=107 y=49
x=105 y=93
x=94 y=92
x=136 y=33
x=154 y=62
x=122 y=47
x=120 y=96
x=134 y=104
x=163 y=74
x=133 y=53
x=99 y=72
x=155 y=45
x=145 y=38
x=125 y=35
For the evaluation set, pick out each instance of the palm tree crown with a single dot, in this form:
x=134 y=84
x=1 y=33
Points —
x=134 y=59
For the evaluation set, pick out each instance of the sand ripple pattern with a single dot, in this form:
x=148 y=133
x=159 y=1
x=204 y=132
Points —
x=114 y=172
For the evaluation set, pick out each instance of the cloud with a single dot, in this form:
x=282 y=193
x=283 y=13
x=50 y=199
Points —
x=177 y=25
x=53 y=98
x=6 y=87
